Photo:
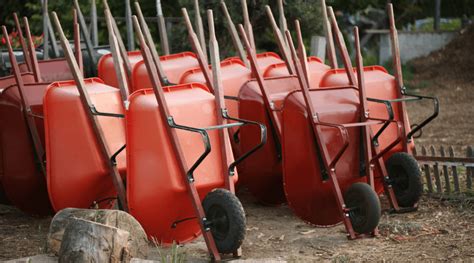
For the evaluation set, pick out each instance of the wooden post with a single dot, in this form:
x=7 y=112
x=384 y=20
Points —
x=45 y=30
x=331 y=51
x=26 y=56
x=282 y=18
x=436 y=171
x=247 y=25
x=454 y=170
x=94 y=27
x=165 y=48
x=128 y=21
x=469 y=170
x=280 y=41
x=427 y=171
x=200 y=28
x=447 y=184
x=437 y=16
x=234 y=35
x=86 y=36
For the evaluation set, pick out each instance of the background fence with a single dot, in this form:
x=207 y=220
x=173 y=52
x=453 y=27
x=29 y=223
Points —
x=446 y=172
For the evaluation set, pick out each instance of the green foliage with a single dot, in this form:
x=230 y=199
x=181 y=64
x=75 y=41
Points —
x=308 y=11
x=454 y=24
x=172 y=255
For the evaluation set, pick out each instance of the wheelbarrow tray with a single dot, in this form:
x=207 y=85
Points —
x=5 y=82
x=379 y=85
x=174 y=66
x=308 y=191
x=22 y=180
x=156 y=190
x=262 y=174
x=106 y=70
x=77 y=174
x=264 y=60
x=316 y=70
x=51 y=70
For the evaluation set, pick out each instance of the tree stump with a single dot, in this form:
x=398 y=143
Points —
x=87 y=241
x=138 y=242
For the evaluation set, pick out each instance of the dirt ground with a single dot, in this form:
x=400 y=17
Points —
x=439 y=231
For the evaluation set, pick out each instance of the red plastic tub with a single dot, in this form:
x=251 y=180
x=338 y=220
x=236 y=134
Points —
x=174 y=66
x=262 y=173
x=51 y=70
x=106 y=70
x=309 y=193
x=77 y=175
x=22 y=180
x=316 y=69
x=156 y=192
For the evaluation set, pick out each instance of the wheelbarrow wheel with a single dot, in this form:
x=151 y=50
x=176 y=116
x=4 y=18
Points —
x=405 y=177
x=226 y=218
x=364 y=207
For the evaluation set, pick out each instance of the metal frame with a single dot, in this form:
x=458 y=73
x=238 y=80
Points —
x=397 y=65
x=92 y=114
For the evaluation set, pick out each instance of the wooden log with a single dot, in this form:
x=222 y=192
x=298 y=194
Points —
x=88 y=241
x=138 y=242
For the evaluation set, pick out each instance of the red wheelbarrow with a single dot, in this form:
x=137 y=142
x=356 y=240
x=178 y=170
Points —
x=5 y=83
x=95 y=147
x=402 y=177
x=305 y=180
x=171 y=148
x=191 y=171
x=22 y=141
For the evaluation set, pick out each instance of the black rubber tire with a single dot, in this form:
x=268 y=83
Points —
x=364 y=205
x=405 y=177
x=227 y=219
